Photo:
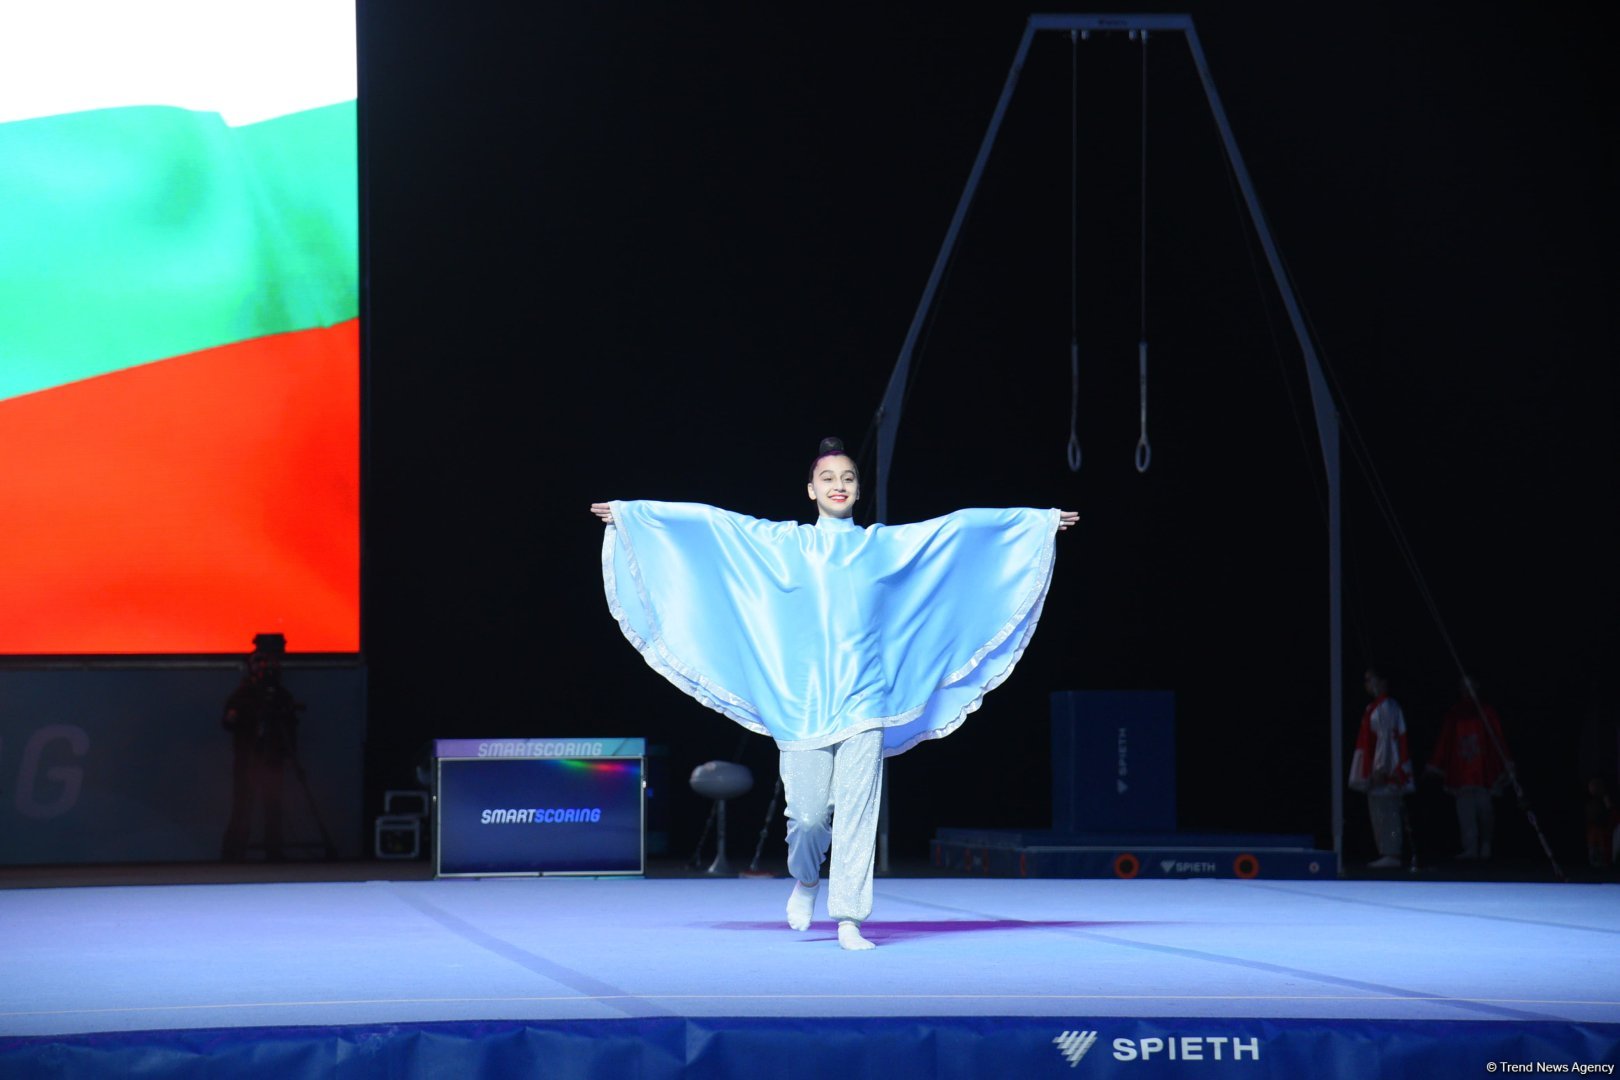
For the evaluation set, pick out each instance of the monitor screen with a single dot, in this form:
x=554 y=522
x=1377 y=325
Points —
x=179 y=326
x=540 y=816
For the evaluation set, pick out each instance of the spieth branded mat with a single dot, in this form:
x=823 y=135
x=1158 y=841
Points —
x=652 y=978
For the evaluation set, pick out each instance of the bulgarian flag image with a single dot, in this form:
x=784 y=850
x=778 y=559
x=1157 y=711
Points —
x=179 y=326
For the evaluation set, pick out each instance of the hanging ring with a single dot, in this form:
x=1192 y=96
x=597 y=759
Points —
x=1144 y=452
x=1074 y=406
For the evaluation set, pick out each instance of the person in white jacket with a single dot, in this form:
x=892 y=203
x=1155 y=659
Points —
x=1382 y=767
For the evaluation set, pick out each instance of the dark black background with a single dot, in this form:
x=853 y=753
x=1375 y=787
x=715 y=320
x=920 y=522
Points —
x=653 y=250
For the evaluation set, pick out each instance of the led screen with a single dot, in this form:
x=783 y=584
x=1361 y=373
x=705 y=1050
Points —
x=540 y=816
x=179 y=326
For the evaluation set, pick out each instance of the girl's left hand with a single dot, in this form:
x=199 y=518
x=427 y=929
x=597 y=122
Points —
x=1067 y=518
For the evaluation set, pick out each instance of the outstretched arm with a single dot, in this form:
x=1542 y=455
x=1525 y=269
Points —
x=1067 y=518
x=604 y=511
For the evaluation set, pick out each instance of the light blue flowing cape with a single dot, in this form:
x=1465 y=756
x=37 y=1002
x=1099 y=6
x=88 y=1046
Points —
x=811 y=633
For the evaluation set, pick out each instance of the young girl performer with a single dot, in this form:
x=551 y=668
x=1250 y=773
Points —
x=845 y=645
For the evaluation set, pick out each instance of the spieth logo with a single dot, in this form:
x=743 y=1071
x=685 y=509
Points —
x=1074 y=1044
x=1178 y=866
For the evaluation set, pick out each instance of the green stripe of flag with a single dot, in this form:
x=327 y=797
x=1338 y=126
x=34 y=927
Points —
x=129 y=235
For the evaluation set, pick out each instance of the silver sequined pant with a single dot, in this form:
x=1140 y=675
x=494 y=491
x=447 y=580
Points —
x=832 y=798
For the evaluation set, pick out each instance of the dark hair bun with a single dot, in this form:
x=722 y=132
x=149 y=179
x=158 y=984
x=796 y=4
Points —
x=831 y=445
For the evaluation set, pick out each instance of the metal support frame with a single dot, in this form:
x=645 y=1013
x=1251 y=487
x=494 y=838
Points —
x=1327 y=416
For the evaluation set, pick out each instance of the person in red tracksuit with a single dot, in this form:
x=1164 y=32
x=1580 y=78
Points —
x=1471 y=760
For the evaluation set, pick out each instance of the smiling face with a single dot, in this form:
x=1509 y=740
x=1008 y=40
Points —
x=833 y=486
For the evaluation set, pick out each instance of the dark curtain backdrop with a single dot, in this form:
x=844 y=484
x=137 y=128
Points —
x=649 y=250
